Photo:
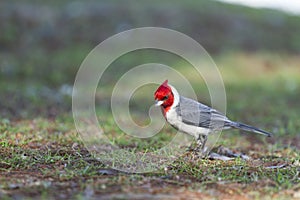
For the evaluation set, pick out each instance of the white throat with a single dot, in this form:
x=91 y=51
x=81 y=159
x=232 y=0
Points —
x=176 y=97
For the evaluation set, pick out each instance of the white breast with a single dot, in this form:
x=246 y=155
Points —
x=176 y=121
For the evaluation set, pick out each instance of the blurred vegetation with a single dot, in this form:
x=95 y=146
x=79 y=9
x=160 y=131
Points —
x=42 y=44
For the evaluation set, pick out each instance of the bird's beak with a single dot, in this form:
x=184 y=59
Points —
x=158 y=103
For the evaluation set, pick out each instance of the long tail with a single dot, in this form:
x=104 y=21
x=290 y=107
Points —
x=248 y=128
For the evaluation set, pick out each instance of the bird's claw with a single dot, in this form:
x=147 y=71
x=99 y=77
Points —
x=198 y=152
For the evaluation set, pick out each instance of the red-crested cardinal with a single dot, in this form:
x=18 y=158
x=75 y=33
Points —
x=196 y=119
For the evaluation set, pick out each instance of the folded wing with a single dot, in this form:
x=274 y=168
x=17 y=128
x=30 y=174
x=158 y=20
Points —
x=197 y=114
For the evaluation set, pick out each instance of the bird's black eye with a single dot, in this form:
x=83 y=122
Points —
x=166 y=97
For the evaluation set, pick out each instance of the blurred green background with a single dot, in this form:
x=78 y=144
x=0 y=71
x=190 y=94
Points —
x=42 y=45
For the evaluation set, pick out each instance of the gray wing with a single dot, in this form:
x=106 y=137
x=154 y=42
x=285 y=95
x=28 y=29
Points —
x=197 y=114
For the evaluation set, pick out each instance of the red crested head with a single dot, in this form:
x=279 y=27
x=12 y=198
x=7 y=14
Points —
x=164 y=95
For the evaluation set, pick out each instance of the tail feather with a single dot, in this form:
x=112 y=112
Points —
x=248 y=128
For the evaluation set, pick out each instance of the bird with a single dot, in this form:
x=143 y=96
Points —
x=194 y=118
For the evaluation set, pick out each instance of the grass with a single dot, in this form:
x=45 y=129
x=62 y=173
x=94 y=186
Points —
x=45 y=157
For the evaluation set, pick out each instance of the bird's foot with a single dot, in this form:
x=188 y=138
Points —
x=200 y=150
x=197 y=152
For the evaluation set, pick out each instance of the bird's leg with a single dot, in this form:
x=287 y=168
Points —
x=201 y=141
x=191 y=147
